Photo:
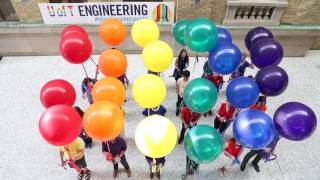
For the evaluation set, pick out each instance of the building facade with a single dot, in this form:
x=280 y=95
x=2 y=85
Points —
x=297 y=15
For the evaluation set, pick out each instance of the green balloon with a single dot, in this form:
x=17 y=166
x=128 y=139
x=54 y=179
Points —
x=179 y=29
x=200 y=95
x=203 y=144
x=201 y=35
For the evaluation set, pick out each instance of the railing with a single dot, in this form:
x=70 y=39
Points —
x=250 y=12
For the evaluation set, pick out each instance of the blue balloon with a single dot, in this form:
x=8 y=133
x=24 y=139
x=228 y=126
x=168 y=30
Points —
x=242 y=92
x=253 y=129
x=224 y=58
x=224 y=36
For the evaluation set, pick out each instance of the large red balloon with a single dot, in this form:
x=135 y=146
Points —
x=73 y=28
x=56 y=92
x=75 y=47
x=60 y=125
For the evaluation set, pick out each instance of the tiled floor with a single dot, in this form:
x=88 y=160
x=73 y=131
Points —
x=24 y=155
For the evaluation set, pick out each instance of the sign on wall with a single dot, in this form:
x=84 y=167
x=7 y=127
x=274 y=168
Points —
x=95 y=13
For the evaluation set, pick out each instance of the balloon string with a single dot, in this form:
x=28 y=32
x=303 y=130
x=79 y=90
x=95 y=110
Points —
x=97 y=72
x=195 y=63
x=93 y=60
x=84 y=69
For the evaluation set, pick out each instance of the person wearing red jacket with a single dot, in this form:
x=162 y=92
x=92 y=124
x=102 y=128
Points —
x=189 y=119
x=232 y=150
x=224 y=116
x=261 y=104
x=216 y=79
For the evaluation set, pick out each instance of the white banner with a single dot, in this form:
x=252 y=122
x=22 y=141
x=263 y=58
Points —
x=95 y=13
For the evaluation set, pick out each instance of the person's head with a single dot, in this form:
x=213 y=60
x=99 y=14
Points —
x=155 y=108
x=183 y=53
x=250 y=77
x=185 y=75
x=262 y=100
x=154 y=73
x=79 y=110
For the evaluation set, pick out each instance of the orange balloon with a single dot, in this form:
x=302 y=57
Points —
x=112 y=62
x=109 y=89
x=103 y=121
x=112 y=31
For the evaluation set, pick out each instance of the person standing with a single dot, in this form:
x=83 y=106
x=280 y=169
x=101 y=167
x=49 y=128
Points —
x=83 y=135
x=74 y=154
x=114 y=151
x=160 y=110
x=261 y=104
x=86 y=88
x=259 y=154
x=181 y=85
x=155 y=166
x=189 y=119
x=216 y=79
x=181 y=64
x=224 y=117
x=232 y=150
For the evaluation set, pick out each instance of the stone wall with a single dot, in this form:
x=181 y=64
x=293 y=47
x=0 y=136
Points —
x=214 y=9
x=302 y=12
x=28 y=10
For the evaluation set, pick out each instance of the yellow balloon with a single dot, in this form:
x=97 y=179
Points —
x=149 y=91
x=144 y=31
x=156 y=136
x=157 y=56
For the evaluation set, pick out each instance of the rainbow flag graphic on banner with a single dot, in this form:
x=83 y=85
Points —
x=162 y=13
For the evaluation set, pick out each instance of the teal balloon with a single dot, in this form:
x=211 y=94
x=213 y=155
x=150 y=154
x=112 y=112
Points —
x=201 y=35
x=203 y=144
x=179 y=30
x=200 y=95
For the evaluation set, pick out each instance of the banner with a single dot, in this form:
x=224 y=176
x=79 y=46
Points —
x=96 y=12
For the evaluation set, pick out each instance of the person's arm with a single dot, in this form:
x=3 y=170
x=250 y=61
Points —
x=176 y=64
x=225 y=146
x=104 y=149
x=124 y=148
x=182 y=119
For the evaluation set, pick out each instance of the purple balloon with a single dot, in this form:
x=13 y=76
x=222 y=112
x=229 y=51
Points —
x=272 y=80
x=295 y=121
x=256 y=34
x=266 y=52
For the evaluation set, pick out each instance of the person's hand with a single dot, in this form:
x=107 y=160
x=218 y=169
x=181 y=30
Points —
x=117 y=159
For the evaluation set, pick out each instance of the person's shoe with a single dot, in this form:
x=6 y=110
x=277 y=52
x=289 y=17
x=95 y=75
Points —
x=205 y=115
x=242 y=167
x=87 y=175
x=256 y=167
x=128 y=172
x=115 y=173
x=210 y=113
x=180 y=140
x=151 y=175
x=158 y=175
x=80 y=175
